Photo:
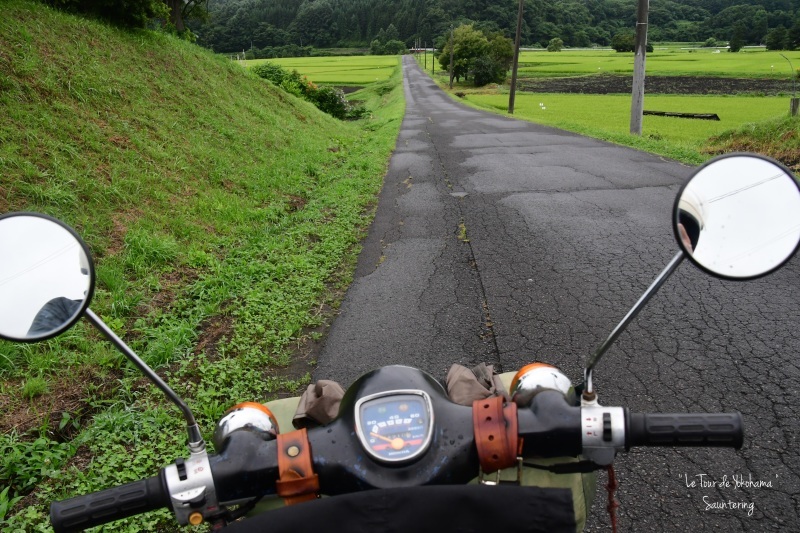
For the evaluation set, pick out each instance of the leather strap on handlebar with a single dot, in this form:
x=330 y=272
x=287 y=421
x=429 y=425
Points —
x=298 y=482
x=496 y=434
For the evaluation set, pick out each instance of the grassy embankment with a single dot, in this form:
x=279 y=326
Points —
x=224 y=216
x=748 y=122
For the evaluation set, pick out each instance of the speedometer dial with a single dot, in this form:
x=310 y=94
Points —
x=395 y=426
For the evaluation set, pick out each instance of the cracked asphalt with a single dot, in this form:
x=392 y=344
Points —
x=502 y=241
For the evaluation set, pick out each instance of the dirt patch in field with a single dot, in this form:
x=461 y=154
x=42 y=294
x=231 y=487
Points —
x=611 y=84
x=347 y=89
x=65 y=394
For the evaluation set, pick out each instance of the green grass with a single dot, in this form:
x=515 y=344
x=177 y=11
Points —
x=341 y=70
x=608 y=116
x=224 y=216
x=748 y=63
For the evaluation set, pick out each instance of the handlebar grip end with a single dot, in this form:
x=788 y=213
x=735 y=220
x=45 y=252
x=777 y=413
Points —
x=685 y=429
x=82 y=512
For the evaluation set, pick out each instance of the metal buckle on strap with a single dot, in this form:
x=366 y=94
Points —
x=497 y=481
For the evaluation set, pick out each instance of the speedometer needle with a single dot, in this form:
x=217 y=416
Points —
x=397 y=443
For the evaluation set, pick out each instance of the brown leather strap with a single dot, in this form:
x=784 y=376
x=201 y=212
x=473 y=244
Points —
x=298 y=482
x=496 y=433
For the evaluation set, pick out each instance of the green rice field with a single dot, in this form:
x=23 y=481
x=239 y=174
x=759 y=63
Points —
x=338 y=70
x=611 y=113
x=755 y=62
x=607 y=116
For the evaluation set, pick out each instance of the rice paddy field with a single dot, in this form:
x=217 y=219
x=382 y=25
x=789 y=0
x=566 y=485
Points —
x=588 y=91
x=663 y=61
x=611 y=113
x=338 y=70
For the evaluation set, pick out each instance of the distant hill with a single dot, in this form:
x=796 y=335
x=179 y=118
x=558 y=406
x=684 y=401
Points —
x=240 y=25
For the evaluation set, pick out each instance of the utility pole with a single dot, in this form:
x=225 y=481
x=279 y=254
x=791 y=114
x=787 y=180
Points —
x=452 y=46
x=640 y=49
x=425 y=54
x=512 y=92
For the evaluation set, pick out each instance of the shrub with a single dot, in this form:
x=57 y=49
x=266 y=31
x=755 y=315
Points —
x=394 y=47
x=328 y=99
x=486 y=70
x=270 y=71
x=555 y=45
x=376 y=48
x=333 y=101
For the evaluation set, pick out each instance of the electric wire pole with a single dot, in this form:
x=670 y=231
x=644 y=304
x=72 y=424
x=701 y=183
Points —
x=640 y=49
x=512 y=92
x=452 y=47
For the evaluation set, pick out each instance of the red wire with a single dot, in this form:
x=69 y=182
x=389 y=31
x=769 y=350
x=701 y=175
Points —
x=611 y=487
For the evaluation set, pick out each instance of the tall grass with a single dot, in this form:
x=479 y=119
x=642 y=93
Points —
x=224 y=216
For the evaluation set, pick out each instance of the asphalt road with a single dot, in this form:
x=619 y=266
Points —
x=501 y=241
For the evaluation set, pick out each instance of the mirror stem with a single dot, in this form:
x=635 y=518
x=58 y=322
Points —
x=196 y=443
x=588 y=393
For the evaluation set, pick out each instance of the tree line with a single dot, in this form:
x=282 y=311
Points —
x=295 y=27
x=242 y=25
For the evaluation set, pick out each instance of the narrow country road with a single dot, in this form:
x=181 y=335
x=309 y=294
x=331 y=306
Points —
x=501 y=241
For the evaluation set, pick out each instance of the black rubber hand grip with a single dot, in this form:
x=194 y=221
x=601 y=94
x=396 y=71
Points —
x=685 y=429
x=81 y=512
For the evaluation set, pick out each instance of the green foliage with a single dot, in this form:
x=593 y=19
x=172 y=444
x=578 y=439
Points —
x=241 y=24
x=331 y=100
x=270 y=71
x=555 y=45
x=485 y=57
x=25 y=463
x=7 y=501
x=737 y=38
x=487 y=70
x=131 y=13
x=376 y=48
x=33 y=387
x=623 y=41
x=394 y=47
x=387 y=42
x=223 y=214
x=464 y=45
x=778 y=138
x=626 y=42
x=778 y=39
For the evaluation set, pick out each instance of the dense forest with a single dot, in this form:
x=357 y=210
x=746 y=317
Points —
x=242 y=25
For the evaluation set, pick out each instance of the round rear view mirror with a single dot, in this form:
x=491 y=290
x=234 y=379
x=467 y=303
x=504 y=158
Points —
x=738 y=216
x=46 y=277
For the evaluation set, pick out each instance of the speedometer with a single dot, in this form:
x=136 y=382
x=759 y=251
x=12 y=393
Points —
x=395 y=426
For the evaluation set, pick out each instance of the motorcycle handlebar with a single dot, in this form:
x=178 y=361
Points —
x=685 y=429
x=551 y=429
x=81 y=512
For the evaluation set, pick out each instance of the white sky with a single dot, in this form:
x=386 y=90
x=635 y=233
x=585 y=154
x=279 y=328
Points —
x=751 y=212
x=39 y=261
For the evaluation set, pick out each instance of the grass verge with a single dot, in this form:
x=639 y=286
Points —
x=224 y=216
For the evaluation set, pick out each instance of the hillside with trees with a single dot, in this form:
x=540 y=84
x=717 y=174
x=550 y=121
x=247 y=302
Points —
x=257 y=25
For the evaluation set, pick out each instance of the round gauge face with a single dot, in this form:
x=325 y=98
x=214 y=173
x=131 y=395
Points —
x=395 y=426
